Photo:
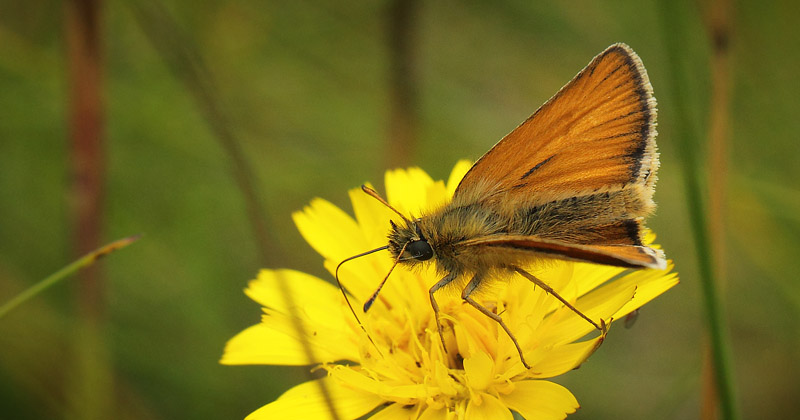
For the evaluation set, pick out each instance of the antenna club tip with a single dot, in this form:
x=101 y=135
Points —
x=368 y=304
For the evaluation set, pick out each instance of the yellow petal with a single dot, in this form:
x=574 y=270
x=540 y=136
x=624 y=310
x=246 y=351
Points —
x=432 y=413
x=465 y=331
x=254 y=346
x=406 y=190
x=306 y=401
x=435 y=196
x=397 y=412
x=562 y=359
x=315 y=308
x=373 y=218
x=489 y=408
x=559 y=275
x=540 y=400
x=456 y=175
x=329 y=230
x=588 y=276
x=403 y=393
x=361 y=276
x=649 y=238
x=566 y=326
x=446 y=383
x=269 y=344
x=478 y=369
x=318 y=300
x=556 y=274
x=651 y=283
x=648 y=284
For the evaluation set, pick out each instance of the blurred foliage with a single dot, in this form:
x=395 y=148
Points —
x=304 y=85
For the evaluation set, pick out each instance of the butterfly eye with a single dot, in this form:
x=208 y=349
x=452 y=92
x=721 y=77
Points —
x=420 y=250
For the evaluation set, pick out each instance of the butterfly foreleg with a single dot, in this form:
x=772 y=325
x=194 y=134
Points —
x=466 y=295
x=441 y=283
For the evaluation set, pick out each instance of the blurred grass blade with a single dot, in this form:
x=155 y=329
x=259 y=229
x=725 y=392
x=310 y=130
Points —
x=188 y=65
x=718 y=27
x=675 y=19
x=65 y=272
x=403 y=118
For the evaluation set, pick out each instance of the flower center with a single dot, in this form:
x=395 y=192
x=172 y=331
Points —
x=409 y=354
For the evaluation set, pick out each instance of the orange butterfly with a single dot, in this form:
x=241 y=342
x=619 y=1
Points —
x=574 y=181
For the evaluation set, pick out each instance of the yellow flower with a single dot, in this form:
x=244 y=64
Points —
x=401 y=371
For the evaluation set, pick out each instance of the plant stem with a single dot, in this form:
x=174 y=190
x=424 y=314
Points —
x=401 y=18
x=675 y=18
x=718 y=24
x=89 y=385
x=65 y=272
x=188 y=66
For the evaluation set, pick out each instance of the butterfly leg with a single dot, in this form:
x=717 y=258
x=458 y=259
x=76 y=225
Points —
x=602 y=326
x=441 y=283
x=466 y=295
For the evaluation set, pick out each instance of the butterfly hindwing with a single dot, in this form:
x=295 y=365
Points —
x=633 y=256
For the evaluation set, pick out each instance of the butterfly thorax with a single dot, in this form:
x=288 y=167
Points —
x=444 y=230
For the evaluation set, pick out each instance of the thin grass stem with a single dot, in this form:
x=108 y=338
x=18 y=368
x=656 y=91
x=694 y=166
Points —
x=675 y=18
x=187 y=64
x=65 y=272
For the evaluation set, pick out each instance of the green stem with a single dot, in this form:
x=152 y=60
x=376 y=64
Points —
x=65 y=272
x=403 y=133
x=188 y=65
x=675 y=19
x=185 y=60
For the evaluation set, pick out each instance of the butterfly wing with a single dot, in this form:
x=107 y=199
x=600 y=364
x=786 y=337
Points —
x=633 y=256
x=597 y=131
x=577 y=177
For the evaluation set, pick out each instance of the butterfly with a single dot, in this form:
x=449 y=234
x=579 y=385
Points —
x=574 y=181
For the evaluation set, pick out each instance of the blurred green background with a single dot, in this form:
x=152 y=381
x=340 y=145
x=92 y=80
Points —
x=304 y=89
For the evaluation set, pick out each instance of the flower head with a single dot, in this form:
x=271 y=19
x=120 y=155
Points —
x=399 y=369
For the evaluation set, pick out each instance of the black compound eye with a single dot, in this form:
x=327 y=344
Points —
x=420 y=250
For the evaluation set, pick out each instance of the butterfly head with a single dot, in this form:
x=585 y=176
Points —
x=410 y=241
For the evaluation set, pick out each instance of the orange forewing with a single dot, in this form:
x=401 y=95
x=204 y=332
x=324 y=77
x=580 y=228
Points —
x=597 y=131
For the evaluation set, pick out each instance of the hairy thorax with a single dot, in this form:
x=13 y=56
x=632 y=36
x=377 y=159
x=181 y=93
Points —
x=445 y=229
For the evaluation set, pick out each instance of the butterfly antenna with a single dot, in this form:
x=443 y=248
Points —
x=346 y=299
x=371 y=300
x=377 y=196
